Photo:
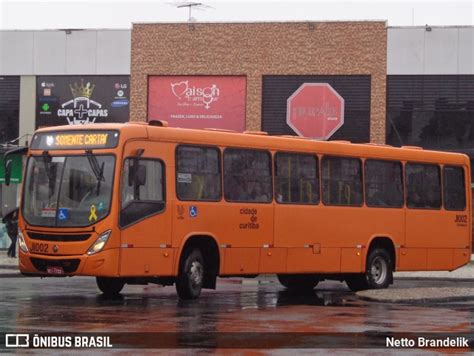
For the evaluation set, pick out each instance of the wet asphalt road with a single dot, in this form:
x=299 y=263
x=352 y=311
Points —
x=75 y=305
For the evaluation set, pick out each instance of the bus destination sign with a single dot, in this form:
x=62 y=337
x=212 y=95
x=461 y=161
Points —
x=77 y=140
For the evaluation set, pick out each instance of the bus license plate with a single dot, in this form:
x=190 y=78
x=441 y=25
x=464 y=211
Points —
x=55 y=270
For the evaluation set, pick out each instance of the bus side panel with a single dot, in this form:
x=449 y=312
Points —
x=241 y=261
x=273 y=260
x=439 y=232
x=243 y=228
x=413 y=259
x=305 y=260
x=344 y=230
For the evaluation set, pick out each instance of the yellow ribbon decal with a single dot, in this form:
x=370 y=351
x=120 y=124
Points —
x=93 y=215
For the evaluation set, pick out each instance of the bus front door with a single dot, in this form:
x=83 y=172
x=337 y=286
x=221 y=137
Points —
x=144 y=218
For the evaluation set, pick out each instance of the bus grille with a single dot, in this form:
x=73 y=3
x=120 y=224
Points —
x=64 y=238
x=69 y=266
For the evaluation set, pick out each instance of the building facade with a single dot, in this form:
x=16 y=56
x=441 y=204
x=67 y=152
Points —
x=399 y=85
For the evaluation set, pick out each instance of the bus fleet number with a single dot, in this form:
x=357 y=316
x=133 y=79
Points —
x=461 y=219
x=37 y=247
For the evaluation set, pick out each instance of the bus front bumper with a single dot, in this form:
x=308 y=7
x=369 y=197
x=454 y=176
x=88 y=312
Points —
x=104 y=263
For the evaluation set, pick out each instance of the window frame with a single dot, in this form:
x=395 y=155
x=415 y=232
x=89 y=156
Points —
x=438 y=165
x=121 y=208
x=403 y=184
x=220 y=167
x=465 y=186
x=270 y=155
x=361 y=181
x=317 y=168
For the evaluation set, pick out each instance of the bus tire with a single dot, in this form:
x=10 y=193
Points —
x=110 y=287
x=378 y=273
x=299 y=282
x=379 y=270
x=191 y=274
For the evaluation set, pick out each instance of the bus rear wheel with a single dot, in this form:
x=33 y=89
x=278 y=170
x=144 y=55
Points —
x=378 y=273
x=110 y=287
x=299 y=282
x=191 y=274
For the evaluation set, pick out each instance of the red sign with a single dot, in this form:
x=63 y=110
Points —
x=315 y=110
x=198 y=101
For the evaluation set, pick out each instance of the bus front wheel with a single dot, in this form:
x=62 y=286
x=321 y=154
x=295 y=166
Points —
x=110 y=287
x=298 y=281
x=191 y=274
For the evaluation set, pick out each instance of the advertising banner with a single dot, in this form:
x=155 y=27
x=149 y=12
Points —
x=17 y=168
x=77 y=100
x=198 y=101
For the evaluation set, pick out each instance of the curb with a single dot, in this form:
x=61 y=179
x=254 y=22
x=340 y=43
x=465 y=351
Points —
x=11 y=275
x=9 y=267
x=461 y=279
x=248 y=282
x=419 y=301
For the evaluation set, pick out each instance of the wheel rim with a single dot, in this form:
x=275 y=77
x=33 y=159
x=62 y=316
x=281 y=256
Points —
x=195 y=274
x=378 y=270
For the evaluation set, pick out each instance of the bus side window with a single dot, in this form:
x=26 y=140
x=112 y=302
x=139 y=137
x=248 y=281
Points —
x=296 y=178
x=198 y=173
x=423 y=185
x=342 y=181
x=383 y=183
x=454 y=188
x=247 y=176
x=142 y=197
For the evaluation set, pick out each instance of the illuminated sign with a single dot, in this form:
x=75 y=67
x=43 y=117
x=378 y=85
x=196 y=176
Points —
x=75 y=140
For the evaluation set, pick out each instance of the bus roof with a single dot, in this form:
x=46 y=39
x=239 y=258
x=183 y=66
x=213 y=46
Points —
x=259 y=140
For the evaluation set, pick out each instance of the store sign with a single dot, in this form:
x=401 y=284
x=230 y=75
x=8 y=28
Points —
x=17 y=169
x=315 y=110
x=78 y=100
x=75 y=140
x=198 y=101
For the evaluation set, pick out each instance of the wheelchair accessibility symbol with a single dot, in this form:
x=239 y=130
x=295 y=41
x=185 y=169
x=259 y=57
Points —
x=63 y=214
x=193 y=211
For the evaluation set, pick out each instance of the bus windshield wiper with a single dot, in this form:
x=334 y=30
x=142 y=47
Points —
x=98 y=170
x=47 y=165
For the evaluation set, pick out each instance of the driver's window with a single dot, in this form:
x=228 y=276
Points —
x=142 y=189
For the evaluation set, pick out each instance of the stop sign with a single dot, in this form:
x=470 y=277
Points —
x=315 y=110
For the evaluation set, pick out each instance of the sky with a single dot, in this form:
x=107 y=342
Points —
x=73 y=14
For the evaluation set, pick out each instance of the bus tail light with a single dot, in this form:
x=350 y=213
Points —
x=99 y=244
x=21 y=242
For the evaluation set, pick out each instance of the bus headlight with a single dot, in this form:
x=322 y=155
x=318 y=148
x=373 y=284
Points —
x=99 y=244
x=21 y=242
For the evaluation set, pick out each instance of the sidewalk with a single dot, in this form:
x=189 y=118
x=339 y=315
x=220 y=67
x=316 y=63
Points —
x=8 y=265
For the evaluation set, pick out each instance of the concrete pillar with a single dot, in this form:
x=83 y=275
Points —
x=27 y=107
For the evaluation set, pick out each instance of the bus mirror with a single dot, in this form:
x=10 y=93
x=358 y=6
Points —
x=8 y=171
x=140 y=175
x=137 y=175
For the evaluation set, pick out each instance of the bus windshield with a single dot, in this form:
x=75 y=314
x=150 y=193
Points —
x=70 y=191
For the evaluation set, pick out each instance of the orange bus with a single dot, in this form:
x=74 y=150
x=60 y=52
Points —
x=142 y=203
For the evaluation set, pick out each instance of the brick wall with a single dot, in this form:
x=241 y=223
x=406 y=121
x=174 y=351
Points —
x=257 y=49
